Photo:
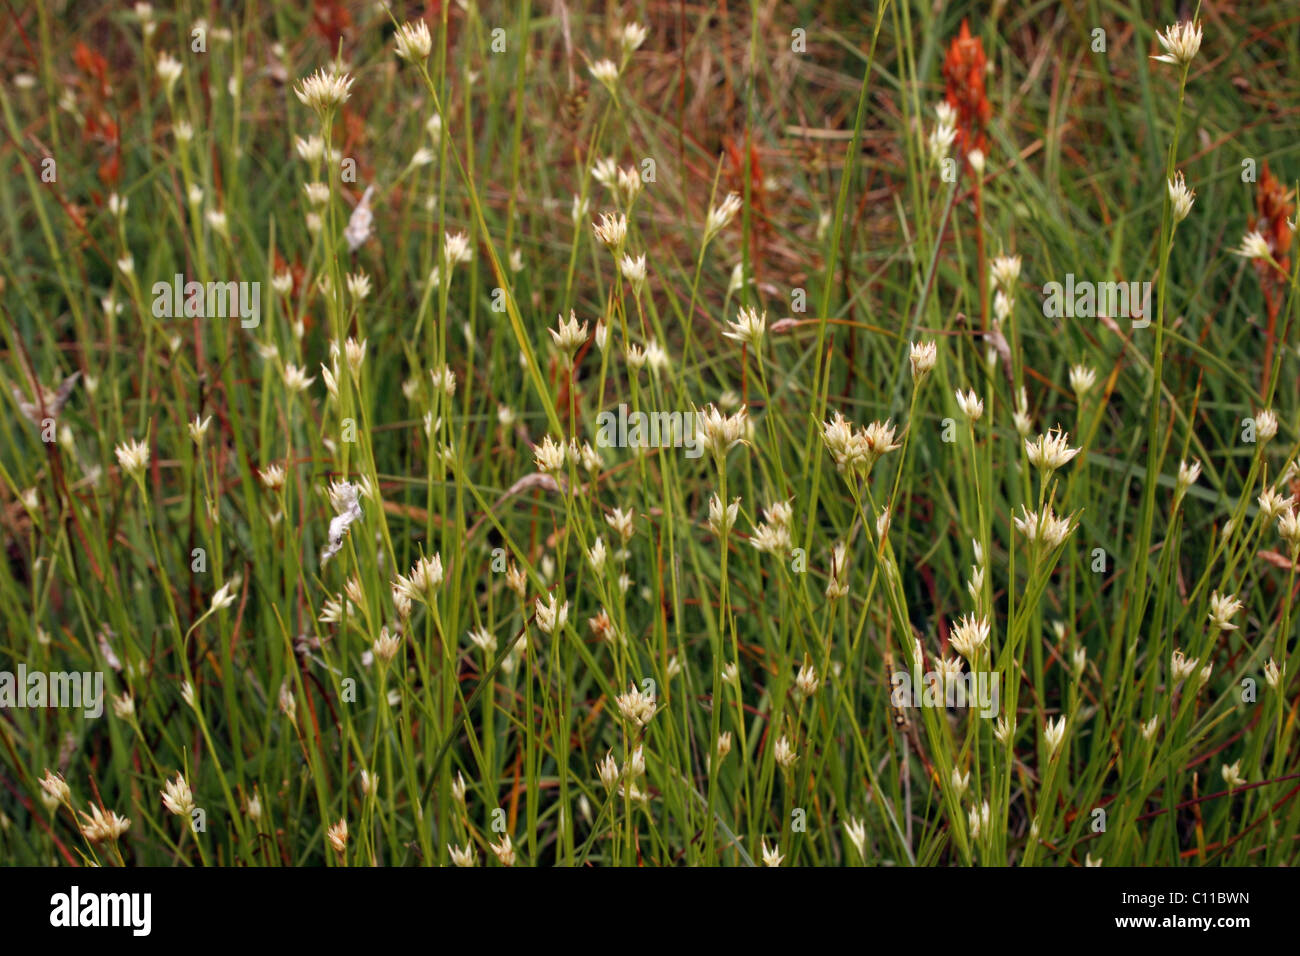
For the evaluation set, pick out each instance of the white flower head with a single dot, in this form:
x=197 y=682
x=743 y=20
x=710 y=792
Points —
x=569 y=335
x=969 y=634
x=361 y=222
x=456 y=249
x=923 y=357
x=1253 y=246
x=133 y=457
x=1051 y=451
x=1005 y=271
x=971 y=405
x=1180 y=197
x=1053 y=734
x=632 y=36
x=177 y=798
x=611 y=230
x=1223 y=607
x=1181 y=42
x=771 y=856
x=324 y=92
x=169 y=71
x=412 y=42
x=636 y=707
x=551 y=616
x=605 y=72
x=1082 y=378
x=1265 y=425
x=749 y=327
x=721 y=215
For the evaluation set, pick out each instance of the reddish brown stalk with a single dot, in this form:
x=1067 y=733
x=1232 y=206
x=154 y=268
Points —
x=964 y=66
x=981 y=262
x=1273 y=207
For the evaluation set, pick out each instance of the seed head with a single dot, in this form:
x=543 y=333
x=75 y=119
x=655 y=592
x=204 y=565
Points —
x=960 y=783
x=345 y=500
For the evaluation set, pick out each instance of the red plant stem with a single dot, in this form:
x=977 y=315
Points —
x=1270 y=334
x=979 y=252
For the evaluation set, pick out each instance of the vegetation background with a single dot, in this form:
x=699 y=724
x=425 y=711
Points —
x=280 y=711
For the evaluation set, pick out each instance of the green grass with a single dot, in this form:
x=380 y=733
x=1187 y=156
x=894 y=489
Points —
x=853 y=245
